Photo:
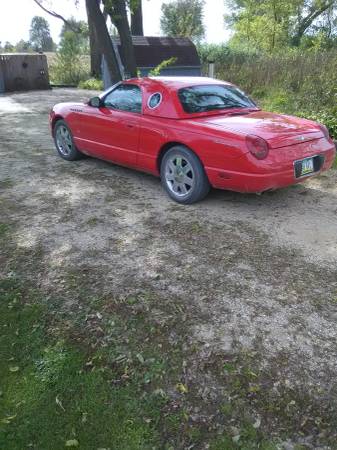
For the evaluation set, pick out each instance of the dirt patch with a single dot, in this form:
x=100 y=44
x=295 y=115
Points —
x=246 y=274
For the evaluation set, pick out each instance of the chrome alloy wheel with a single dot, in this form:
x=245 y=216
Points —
x=64 y=140
x=179 y=175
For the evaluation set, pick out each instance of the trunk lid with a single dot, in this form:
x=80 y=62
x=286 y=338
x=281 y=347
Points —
x=278 y=130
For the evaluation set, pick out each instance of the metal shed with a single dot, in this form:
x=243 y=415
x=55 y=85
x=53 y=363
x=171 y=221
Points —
x=151 y=51
x=23 y=72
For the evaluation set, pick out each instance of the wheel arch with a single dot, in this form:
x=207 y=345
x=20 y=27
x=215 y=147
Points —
x=56 y=118
x=166 y=147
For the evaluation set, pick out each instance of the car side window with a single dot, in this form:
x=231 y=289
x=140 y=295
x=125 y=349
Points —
x=126 y=97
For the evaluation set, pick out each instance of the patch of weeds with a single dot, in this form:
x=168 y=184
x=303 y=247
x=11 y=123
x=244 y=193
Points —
x=226 y=409
x=196 y=228
x=245 y=438
x=7 y=183
x=4 y=229
x=109 y=198
x=258 y=403
x=93 y=221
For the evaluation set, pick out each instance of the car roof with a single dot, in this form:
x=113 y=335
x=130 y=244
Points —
x=170 y=107
x=175 y=82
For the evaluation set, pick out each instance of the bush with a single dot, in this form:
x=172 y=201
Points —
x=92 y=84
x=69 y=66
x=299 y=82
x=163 y=65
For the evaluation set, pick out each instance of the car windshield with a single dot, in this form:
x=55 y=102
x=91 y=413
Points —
x=197 y=99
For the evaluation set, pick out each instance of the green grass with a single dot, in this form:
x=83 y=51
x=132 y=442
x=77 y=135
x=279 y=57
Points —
x=6 y=183
x=4 y=228
x=57 y=391
x=48 y=394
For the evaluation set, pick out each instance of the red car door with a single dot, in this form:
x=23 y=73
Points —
x=111 y=132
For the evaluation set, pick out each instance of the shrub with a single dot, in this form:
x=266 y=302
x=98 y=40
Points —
x=299 y=82
x=92 y=84
x=163 y=65
x=69 y=65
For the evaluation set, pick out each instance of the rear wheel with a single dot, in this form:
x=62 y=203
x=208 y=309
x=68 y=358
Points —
x=64 y=142
x=183 y=176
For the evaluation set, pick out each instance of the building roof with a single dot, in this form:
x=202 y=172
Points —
x=22 y=54
x=151 y=51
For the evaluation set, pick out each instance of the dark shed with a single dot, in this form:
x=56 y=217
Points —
x=23 y=72
x=151 y=51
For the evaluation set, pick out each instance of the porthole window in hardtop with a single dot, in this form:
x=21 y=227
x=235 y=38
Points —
x=155 y=100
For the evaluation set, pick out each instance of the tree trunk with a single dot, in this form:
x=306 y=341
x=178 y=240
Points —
x=119 y=18
x=95 y=52
x=137 y=28
x=96 y=18
x=307 y=21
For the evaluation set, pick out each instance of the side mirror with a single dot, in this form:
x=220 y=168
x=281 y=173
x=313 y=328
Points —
x=95 y=102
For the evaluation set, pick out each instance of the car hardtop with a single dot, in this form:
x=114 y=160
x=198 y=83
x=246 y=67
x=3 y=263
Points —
x=170 y=106
x=176 y=82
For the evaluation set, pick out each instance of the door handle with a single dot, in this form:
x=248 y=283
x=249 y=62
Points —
x=130 y=124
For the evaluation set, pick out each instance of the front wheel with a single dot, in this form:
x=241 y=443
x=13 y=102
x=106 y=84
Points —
x=183 y=176
x=64 y=142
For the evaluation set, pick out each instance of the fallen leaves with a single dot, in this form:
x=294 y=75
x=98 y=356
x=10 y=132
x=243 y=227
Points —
x=72 y=443
x=182 y=388
x=59 y=403
x=8 y=419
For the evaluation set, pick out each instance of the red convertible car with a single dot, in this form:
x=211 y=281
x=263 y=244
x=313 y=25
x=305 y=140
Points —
x=194 y=133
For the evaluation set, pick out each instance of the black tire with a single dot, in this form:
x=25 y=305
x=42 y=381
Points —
x=183 y=176
x=64 y=142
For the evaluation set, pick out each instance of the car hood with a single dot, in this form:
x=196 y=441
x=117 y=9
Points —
x=278 y=130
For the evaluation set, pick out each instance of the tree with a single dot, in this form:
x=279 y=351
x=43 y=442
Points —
x=68 y=67
x=183 y=18
x=272 y=24
x=99 y=35
x=117 y=10
x=307 y=13
x=81 y=35
x=95 y=51
x=100 y=30
x=100 y=41
x=53 y=13
x=23 y=46
x=136 y=8
x=40 y=37
x=8 y=47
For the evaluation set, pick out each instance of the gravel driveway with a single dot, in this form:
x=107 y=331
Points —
x=255 y=274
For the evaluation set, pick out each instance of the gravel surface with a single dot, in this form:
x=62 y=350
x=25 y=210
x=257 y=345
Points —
x=255 y=273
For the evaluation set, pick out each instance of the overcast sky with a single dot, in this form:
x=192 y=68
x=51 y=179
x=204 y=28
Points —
x=16 y=15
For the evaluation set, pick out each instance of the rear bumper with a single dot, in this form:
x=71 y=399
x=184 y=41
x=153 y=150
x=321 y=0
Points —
x=255 y=183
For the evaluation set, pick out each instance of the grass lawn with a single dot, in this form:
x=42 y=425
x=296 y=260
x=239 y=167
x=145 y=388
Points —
x=57 y=392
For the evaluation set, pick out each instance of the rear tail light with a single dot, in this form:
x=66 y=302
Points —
x=257 y=147
x=325 y=131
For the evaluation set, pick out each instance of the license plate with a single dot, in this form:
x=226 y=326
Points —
x=306 y=167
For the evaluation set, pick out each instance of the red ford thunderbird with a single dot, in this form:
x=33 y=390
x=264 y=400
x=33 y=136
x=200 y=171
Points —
x=194 y=133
